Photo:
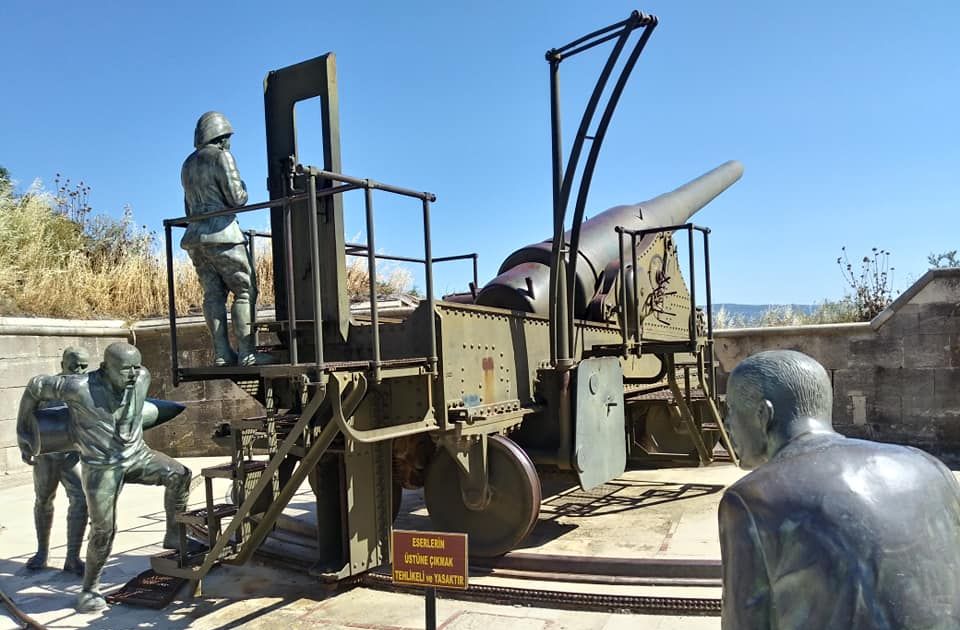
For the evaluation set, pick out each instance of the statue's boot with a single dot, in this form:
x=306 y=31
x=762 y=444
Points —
x=43 y=521
x=175 y=501
x=215 y=314
x=98 y=548
x=90 y=601
x=242 y=314
x=76 y=526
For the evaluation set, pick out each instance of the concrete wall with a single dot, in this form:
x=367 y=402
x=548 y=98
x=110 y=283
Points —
x=208 y=403
x=31 y=346
x=895 y=379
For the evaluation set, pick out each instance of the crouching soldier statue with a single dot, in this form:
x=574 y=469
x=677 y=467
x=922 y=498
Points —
x=106 y=411
x=212 y=183
x=51 y=470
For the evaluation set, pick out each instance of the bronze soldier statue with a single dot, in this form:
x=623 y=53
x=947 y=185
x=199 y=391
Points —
x=107 y=425
x=50 y=470
x=211 y=182
x=829 y=532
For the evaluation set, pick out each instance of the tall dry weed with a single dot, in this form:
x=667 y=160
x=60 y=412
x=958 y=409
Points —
x=50 y=266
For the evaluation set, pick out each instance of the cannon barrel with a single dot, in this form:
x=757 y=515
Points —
x=51 y=433
x=523 y=283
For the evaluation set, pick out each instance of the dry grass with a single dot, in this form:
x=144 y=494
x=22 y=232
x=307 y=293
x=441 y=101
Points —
x=50 y=266
x=827 y=312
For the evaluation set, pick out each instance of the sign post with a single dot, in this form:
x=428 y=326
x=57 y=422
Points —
x=432 y=560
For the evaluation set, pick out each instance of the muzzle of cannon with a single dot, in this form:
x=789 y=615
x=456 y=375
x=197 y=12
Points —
x=524 y=280
x=51 y=431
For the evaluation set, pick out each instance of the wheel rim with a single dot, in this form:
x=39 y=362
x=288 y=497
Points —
x=514 y=502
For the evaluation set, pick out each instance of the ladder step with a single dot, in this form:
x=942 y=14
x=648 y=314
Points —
x=260 y=423
x=709 y=426
x=199 y=516
x=168 y=563
x=227 y=471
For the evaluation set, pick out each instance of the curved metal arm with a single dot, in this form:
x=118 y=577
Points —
x=352 y=402
x=587 y=178
x=562 y=290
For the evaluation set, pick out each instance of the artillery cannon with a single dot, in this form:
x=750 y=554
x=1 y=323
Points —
x=571 y=358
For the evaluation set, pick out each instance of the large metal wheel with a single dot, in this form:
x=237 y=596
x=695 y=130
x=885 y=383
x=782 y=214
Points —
x=514 y=499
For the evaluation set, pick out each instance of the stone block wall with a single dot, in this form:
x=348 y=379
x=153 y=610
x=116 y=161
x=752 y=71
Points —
x=31 y=346
x=208 y=402
x=895 y=379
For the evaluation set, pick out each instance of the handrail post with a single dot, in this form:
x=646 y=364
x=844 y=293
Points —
x=476 y=277
x=711 y=368
x=556 y=168
x=428 y=272
x=254 y=280
x=372 y=272
x=693 y=290
x=623 y=293
x=291 y=292
x=315 y=270
x=636 y=293
x=172 y=305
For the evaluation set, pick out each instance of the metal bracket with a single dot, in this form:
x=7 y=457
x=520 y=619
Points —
x=470 y=455
x=367 y=436
x=682 y=410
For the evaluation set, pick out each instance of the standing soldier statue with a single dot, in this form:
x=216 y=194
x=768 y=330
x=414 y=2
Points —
x=211 y=183
x=52 y=469
x=106 y=422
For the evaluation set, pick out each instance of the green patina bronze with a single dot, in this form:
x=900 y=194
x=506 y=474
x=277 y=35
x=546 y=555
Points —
x=211 y=182
x=830 y=532
x=51 y=470
x=106 y=422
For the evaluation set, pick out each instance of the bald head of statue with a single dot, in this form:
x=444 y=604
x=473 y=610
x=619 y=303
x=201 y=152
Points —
x=773 y=398
x=75 y=360
x=121 y=364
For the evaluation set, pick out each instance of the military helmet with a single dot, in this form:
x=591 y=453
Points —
x=211 y=126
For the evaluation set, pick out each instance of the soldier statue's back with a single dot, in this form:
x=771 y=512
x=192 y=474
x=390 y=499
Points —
x=830 y=532
x=211 y=182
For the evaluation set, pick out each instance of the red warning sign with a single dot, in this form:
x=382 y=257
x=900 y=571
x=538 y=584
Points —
x=431 y=559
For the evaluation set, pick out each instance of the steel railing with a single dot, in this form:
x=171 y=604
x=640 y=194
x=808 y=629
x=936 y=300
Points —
x=312 y=193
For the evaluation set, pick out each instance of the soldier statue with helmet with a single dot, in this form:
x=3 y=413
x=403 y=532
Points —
x=211 y=182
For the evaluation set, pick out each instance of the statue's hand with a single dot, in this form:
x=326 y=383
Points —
x=27 y=457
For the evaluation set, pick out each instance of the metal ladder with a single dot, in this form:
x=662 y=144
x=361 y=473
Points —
x=236 y=543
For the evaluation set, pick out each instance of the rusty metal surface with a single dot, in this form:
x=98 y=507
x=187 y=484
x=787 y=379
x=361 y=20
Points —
x=149 y=590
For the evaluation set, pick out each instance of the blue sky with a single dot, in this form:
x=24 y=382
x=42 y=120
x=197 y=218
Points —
x=845 y=116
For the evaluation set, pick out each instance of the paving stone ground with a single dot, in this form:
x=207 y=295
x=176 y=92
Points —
x=665 y=513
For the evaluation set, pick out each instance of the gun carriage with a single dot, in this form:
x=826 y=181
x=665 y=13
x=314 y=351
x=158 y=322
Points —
x=585 y=353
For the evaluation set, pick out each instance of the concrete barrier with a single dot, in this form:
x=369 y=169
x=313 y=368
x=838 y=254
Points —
x=31 y=346
x=896 y=378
